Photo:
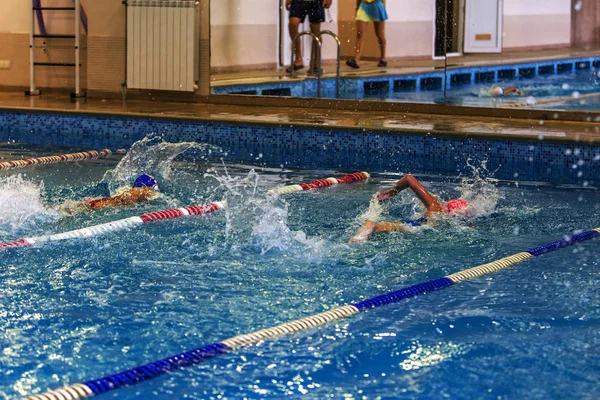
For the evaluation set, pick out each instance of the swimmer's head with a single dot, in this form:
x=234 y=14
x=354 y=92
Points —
x=456 y=204
x=513 y=90
x=146 y=180
x=497 y=91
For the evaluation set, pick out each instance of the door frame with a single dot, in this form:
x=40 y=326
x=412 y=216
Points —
x=461 y=31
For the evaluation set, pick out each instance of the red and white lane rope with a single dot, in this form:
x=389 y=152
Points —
x=320 y=183
x=126 y=223
x=84 y=155
x=118 y=225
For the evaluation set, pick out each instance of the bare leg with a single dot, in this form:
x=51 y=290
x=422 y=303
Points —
x=361 y=27
x=315 y=29
x=293 y=26
x=380 y=32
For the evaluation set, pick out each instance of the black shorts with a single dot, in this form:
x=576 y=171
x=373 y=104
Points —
x=313 y=8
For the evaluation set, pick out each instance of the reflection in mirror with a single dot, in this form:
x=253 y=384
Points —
x=251 y=49
x=526 y=54
x=489 y=53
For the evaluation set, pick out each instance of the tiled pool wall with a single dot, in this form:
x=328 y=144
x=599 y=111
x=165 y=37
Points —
x=319 y=147
x=359 y=87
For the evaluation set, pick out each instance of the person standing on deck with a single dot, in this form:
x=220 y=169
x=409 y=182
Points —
x=299 y=9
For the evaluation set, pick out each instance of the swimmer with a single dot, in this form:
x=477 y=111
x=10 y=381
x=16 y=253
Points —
x=432 y=206
x=508 y=91
x=144 y=188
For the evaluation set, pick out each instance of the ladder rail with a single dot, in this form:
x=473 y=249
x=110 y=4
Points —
x=339 y=49
x=315 y=39
x=79 y=19
x=37 y=6
x=32 y=89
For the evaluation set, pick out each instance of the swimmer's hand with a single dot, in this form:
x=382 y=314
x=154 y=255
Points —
x=386 y=194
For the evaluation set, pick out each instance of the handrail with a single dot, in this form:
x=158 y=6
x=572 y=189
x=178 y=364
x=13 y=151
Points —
x=339 y=49
x=315 y=39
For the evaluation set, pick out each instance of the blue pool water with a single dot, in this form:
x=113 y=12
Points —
x=75 y=311
x=562 y=91
x=574 y=89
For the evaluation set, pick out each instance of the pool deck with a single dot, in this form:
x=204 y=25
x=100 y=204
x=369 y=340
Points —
x=368 y=121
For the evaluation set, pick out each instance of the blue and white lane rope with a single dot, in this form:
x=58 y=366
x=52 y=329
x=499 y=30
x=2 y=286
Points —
x=201 y=354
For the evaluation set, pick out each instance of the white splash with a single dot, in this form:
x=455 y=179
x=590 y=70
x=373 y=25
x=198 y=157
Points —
x=373 y=212
x=21 y=206
x=480 y=192
x=257 y=217
x=150 y=155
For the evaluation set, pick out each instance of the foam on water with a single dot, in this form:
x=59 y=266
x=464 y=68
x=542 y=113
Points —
x=480 y=191
x=21 y=206
x=256 y=217
x=373 y=212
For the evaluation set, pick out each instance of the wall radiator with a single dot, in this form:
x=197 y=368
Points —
x=162 y=44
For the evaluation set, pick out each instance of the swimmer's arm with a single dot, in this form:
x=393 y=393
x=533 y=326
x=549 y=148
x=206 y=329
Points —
x=409 y=181
x=362 y=235
x=130 y=197
x=396 y=226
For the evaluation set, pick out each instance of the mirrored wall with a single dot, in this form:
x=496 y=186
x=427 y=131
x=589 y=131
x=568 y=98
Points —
x=483 y=53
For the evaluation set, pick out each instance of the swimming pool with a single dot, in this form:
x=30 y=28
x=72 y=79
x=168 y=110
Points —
x=80 y=310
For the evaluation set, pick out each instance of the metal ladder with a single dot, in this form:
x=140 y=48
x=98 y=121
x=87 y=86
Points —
x=37 y=12
x=315 y=60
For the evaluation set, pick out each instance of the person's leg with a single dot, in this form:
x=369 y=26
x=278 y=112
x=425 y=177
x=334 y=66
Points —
x=315 y=28
x=316 y=16
x=380 y=32
x=293 y=27
x=361 y=27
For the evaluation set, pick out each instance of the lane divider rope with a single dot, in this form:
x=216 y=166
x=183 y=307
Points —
x=113 y=226
x=549 y=101
x=151 y=370
x=84 y=155
x=321 y=183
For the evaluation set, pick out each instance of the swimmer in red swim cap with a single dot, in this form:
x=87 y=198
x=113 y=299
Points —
x=510 y=90
x=431 y=204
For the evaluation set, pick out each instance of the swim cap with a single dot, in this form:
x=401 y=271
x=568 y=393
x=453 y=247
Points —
x=497 y=90
x=145 y=180
x=456 y=204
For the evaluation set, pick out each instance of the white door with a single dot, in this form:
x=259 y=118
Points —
x=483 y=26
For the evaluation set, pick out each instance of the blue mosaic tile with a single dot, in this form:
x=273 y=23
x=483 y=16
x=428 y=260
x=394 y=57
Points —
x=318 y=147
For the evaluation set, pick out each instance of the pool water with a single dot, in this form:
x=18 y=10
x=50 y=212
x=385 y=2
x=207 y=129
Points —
x=78 y=310
x=579 y=90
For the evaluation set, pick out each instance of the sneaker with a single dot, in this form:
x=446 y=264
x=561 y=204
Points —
x=382 y=63
x=352 y=63
x=295 y=67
